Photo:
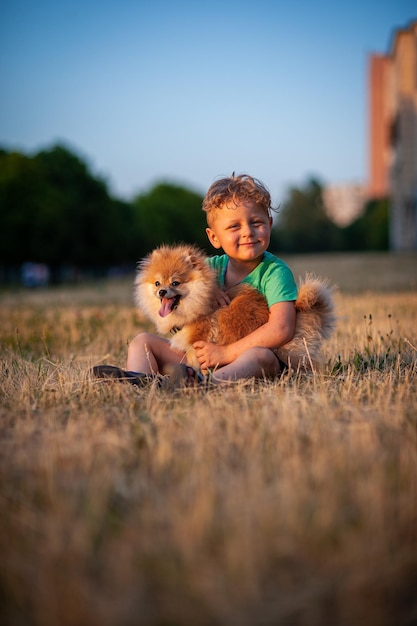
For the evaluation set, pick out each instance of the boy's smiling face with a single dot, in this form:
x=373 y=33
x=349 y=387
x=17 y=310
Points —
x=243 y=231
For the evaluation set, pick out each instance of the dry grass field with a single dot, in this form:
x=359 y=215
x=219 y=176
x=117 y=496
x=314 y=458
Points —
x=289 y=502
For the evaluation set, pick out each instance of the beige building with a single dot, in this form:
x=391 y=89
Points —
x=344 y=203
x=393 y=134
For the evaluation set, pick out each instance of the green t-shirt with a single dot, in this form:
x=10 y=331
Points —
x=272 y=277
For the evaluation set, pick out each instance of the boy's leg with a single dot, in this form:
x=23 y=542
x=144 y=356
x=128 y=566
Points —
x=151 y=354
x=254 y=363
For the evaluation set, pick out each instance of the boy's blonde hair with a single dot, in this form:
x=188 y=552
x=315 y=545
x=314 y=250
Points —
x=235 y=190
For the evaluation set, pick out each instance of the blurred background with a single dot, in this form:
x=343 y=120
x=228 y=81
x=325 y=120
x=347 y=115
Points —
x=116 y=117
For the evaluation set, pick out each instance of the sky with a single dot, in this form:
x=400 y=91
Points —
x=186 y=91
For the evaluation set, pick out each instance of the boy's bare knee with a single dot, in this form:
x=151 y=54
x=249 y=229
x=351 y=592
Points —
x=139 y=344
x=141 y=339
x=266 y=359
x=260 y=354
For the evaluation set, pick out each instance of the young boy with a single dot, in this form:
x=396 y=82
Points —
x=239 y=222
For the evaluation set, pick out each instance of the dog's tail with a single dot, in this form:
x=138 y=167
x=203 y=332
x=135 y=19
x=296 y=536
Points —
x=316 y=321
x=316 y=294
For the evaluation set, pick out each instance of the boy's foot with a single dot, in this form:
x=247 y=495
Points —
x=111 y=372
x=181 y=376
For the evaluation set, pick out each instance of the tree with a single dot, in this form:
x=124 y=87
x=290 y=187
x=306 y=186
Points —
x=167 y=214
x=20 y=203
x=92 y=229
x=53 y=210
x=371 y=230
x=302 y=225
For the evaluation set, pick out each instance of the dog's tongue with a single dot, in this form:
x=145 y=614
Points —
x=166 y=307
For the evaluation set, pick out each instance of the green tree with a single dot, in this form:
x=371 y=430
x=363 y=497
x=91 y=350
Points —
x=91 y=228
x=20 y=203
x=371 y=230
x=302 y=224
x=52 y=209
x=169 y=213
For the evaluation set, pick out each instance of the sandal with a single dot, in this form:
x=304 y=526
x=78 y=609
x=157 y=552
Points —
x=111 y=372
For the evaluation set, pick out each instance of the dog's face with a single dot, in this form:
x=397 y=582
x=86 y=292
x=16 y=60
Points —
x=174 y=285
x=167 y=278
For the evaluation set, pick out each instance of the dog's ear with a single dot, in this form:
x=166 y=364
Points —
x=193 y=257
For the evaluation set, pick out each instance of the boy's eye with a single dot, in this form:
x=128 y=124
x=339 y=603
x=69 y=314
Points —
x=175 y=283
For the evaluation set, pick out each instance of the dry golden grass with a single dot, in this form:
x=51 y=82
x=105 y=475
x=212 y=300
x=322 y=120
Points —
x=285 y=502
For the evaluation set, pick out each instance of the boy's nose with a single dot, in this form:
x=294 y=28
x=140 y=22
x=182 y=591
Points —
x=246 y=230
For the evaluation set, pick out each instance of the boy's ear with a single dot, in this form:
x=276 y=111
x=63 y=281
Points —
x=213 y=238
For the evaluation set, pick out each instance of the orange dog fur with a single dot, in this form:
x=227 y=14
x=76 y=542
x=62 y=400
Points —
x=174 y=288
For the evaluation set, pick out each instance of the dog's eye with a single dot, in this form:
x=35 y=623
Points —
x=175 y=283
x=157 y=283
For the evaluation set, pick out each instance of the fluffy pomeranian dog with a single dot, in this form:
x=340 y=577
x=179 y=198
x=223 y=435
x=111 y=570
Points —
x=174 y=288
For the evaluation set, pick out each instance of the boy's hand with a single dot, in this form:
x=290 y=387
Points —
x=221 y=297
x=210 y=354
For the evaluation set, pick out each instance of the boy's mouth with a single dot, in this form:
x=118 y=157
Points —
x=168 y=305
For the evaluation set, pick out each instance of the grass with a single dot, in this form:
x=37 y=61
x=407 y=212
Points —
x=286 y=502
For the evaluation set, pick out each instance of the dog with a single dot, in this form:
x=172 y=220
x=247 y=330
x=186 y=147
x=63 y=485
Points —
x=174 y=287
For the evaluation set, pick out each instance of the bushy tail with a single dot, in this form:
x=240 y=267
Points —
x=316 y=294
x=316 y=321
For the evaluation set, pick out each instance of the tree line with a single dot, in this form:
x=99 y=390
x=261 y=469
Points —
x=304 y=226
x=54 y=210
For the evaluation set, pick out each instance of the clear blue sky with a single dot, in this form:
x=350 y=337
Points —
x=187 y=90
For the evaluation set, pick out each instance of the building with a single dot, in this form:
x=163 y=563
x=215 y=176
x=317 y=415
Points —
x=344 y=203
x=393 y=134
x=379 y=126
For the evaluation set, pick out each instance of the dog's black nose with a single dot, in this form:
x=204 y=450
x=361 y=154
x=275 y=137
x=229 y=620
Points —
x=162 y=293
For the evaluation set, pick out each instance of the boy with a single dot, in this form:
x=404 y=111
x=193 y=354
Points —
x=239 y=221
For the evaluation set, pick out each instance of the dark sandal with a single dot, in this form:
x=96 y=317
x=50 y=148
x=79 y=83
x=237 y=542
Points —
x=111 y=372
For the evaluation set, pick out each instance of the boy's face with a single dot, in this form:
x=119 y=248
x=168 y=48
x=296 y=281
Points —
x=243 y=231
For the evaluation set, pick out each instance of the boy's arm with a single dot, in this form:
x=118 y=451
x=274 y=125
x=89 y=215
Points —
x=276 y=332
